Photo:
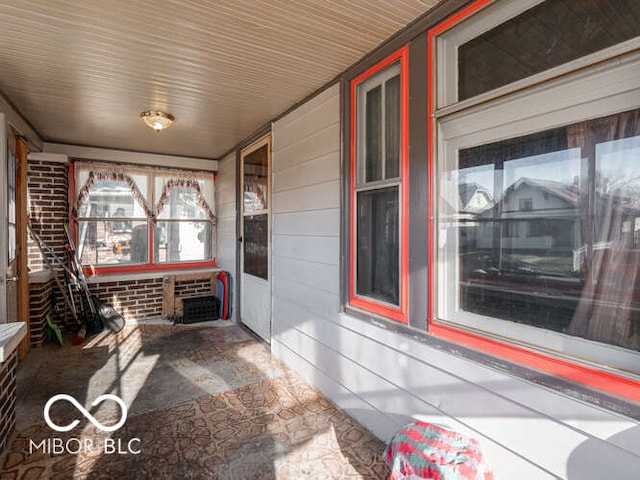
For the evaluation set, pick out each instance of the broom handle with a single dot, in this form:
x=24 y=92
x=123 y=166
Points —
x=77 y=266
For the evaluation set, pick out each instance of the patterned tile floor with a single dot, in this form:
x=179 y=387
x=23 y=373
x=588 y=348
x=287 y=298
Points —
x=203 y=403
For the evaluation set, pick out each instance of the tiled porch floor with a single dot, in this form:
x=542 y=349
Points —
x=205 y=402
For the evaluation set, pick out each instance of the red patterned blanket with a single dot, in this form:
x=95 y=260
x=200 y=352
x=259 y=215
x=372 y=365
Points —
x=423 y=450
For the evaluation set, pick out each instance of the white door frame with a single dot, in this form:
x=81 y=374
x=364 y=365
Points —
x=255 y=292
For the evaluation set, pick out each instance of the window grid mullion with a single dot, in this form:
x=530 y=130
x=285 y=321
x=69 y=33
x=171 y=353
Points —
x=378 y=185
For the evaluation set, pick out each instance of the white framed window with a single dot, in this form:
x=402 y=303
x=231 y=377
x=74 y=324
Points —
x=506 y=46
x=551 y=261
x=132 y=218
x=184 y=222
x=379 y=188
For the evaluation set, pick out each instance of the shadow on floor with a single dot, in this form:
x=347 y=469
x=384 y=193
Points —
x=203 y=403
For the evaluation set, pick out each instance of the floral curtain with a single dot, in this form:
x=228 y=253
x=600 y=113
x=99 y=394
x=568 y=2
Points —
x=183 y=183
x=85 y=191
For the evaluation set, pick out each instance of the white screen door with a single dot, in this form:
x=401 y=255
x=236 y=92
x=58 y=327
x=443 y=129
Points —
x=255 y=246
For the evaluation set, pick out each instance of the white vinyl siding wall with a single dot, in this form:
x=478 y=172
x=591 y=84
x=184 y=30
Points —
x=226 y=217
x=306 y=218
x=385 y=379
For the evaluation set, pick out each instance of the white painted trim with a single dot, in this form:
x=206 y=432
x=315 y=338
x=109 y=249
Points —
x=48 y=157
x=136 y=158
x=11 y=334
x=18 y=122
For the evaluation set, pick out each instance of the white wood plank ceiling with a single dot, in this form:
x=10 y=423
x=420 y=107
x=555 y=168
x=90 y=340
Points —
x=82 y=71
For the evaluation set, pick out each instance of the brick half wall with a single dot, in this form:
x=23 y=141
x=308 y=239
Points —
x=7 y=399
x=40 y=305
x=48 y=189
x=48 y=186
x=133 y=299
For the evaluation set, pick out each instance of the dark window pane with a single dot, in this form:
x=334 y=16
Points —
x=378 y=245
x=256 y=251
x=543 y=241
x=545 y=36
x=392 y=127
x=373 y=135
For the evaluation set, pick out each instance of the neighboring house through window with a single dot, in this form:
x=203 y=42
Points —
x=542 y=111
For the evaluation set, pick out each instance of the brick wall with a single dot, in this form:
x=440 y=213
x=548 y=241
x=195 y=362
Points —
x=48 y=186
x=39 y=307
x=133 y=299
x=7 y=398
x=192 y=288
x=189 y=289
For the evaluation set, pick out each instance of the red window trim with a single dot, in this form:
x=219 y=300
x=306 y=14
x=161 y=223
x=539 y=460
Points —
x=146 y=267
x=396 y=313
x=586 y=375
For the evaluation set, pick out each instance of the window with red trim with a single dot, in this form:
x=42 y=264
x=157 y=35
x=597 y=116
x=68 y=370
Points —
x=536 y=188
x=378 y=237
x=132 y=219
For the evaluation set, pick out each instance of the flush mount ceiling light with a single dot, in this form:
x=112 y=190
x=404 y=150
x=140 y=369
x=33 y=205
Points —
x=157 y=120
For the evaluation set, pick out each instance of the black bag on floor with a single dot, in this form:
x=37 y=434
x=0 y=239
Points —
x=106 y=316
